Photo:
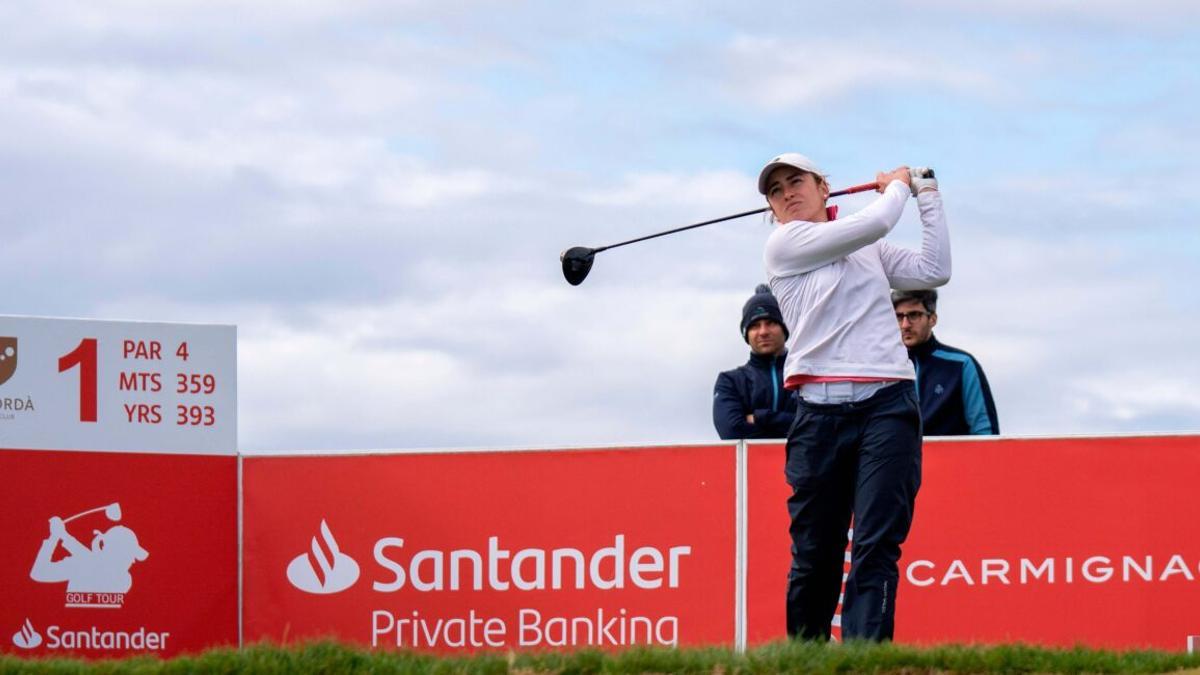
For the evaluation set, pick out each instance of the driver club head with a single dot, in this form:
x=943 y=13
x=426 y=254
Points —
x=576 y=263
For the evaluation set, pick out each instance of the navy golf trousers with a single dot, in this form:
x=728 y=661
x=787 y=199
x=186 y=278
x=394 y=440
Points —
x=861 y=459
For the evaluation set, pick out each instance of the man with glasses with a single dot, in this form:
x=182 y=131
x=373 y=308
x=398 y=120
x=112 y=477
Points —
x=955 y=397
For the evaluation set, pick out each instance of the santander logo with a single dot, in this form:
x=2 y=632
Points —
x=27 y=637
x=324 y=569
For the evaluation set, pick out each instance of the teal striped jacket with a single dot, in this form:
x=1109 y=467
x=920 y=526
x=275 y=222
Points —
x=955 y=397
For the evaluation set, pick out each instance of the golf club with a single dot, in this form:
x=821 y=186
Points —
x=111 y=511
x=577 y=260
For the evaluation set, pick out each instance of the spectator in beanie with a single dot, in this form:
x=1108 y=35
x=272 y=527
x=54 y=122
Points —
x=750 y=401
x=954 y=393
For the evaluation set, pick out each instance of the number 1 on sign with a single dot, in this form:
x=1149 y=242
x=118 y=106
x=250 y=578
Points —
x=84 y=356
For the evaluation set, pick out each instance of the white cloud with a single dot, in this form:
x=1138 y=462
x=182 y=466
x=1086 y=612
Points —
x=1129 y=394
x=828 y=70
x=1126 y=14
x=715 y=188
x=1070 y=340
x=376 y=194
x=421 y=187
x=412 y=374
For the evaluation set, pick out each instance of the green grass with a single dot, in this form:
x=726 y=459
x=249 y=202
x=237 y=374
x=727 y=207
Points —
x=330 y=657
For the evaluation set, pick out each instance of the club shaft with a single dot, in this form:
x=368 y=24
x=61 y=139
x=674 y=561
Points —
x=855 y=188
x=681 y=229
x=84 y=513
x=850 y=190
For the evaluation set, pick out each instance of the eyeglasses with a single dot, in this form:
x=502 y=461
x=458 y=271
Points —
x=911 y=316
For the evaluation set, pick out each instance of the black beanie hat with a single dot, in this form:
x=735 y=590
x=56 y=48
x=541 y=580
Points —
x=761 y=305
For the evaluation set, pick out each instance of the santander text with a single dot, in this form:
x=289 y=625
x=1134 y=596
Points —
x=95 y=638
x=529 y=569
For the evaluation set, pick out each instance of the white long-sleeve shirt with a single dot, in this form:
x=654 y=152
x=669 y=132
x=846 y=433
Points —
x=833 y=283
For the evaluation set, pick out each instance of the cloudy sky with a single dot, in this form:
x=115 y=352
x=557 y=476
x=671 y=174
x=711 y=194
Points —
x=376 y=194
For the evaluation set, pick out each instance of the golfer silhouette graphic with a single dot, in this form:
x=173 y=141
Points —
x=102 y=568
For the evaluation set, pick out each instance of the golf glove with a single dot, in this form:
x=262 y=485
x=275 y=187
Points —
x=922 y=177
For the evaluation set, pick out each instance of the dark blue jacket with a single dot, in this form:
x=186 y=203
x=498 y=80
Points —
x=955 y=397
x=754 y=389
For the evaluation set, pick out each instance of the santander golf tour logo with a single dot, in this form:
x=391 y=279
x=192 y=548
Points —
x=324 y=569
x=97 y=575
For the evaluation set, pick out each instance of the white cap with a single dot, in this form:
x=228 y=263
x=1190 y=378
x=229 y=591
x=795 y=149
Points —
x=792 y=159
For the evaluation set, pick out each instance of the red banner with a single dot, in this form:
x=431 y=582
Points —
x=111 y=554
x=1046 y=541
x=450 y=552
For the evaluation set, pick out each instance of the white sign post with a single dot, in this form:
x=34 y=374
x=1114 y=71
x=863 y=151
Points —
x=72 y=384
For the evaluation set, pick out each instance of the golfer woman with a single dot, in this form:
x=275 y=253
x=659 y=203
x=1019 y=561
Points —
x=855 y=446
